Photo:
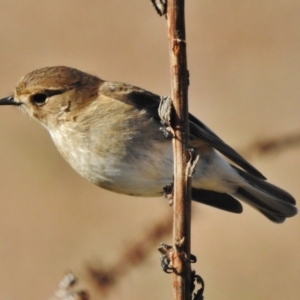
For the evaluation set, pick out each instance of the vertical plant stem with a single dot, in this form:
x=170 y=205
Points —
x=179 y=122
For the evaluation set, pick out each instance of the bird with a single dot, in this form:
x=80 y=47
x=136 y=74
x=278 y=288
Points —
x=111 y=134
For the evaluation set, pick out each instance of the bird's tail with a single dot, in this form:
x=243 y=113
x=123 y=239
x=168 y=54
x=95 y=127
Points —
x=275 y=203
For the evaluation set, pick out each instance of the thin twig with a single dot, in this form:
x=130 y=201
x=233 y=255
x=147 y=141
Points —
x=105 y=278
x=179 y=122
x=269 y=146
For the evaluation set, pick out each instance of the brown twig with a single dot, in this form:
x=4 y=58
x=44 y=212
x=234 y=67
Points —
x=106 y=278
x=272 y=146
x=179 y=123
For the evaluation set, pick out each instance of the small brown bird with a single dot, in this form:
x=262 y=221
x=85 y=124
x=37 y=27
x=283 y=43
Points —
x=110 y=133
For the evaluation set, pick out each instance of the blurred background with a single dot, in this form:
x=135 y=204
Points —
x=244 y=65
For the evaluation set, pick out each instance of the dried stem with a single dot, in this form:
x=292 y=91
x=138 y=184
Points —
x=179 y=122
x=106 y=278
x=267 y=146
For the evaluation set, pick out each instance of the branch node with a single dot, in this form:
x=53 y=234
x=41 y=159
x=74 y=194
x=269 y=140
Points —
x=165 y=259
x=179 y=244
x=179 y=41
x=193 y=161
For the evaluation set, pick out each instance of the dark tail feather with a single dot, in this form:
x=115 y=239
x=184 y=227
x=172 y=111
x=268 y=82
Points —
x=218 y=200
x=275 y=203
x=260 y=205
x=273 y=217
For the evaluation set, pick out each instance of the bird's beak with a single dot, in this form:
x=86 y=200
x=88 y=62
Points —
x=9 y=101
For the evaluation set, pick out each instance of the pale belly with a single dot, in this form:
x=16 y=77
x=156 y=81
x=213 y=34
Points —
x=141 y=172
x=140 y=167
x=146 y=176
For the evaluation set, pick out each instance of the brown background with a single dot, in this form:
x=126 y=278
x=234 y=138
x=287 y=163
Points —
x=244 y=63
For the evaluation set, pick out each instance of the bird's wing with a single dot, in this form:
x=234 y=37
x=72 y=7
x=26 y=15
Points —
x=149 y=102
x=201 y=131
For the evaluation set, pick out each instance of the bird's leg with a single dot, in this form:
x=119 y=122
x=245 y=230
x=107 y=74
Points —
x=168 y=192
x=165 y=113
x=193 y=161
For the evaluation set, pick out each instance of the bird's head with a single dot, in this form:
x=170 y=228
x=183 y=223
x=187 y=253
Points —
x=48 y=94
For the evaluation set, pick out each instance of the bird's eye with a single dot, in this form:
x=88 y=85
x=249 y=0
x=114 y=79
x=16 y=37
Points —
x=39 y=99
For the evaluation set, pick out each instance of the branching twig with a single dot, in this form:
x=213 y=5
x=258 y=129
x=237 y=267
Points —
x=270 y=146
x=106 y=278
